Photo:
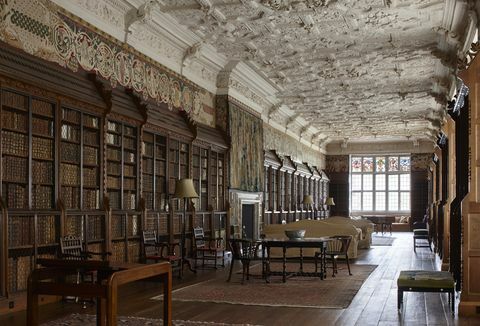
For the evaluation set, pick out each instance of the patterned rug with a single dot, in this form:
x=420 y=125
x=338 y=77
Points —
x=310 y=292
x=382 y=240
x=90 y=320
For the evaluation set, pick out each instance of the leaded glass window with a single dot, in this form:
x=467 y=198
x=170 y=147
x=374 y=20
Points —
x=380 y=183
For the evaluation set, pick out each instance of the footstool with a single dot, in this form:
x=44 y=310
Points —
x=426 y=281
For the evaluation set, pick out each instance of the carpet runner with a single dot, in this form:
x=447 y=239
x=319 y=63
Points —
x=310 y=292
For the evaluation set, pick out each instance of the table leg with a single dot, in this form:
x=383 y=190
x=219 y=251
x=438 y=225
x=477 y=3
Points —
x=284 y=274
x=167 y=299
x=301 y=260
x=32 y=304
x=267 y=266
x=112 y=306
x=101 y=311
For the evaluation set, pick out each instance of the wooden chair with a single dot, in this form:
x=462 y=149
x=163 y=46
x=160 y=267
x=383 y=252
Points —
x=71 y=248
x=336 y=248
x=207 y=249
x=161 y=251
x=244 y=250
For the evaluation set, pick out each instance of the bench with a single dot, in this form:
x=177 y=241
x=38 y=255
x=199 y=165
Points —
x=426 y=281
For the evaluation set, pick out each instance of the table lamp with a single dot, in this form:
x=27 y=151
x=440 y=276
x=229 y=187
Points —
x=329 y=202
x=308 y=201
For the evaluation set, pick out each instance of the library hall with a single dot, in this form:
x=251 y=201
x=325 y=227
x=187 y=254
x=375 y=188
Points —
x=239 y=162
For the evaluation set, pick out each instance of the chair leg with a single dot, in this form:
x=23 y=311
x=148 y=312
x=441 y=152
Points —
x=248 y=270
x=334 y=263
x=348 y=265
x=231 y=268
x=244 y=268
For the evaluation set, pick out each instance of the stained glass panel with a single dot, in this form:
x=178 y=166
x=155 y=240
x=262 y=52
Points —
x=393 y=163
x=356 y=164
x=367 y=164
x=380 y=166
x=404 y=163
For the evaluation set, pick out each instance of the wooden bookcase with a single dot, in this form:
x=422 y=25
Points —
x=200 y=177
x=80 y=156
x=28 y=181
x=121 y=142
x=154 y=170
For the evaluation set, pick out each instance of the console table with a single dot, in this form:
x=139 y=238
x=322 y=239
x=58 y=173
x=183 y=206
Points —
x=317 y=243
x=50 y=280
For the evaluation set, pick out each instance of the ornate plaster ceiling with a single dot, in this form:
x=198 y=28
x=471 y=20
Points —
x=350 y=68
x=344 y=70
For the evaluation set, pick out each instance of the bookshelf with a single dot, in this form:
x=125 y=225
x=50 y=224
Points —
x=121 y=142
x=154 y=163
x=27 y=183
x=200 y=177
x=79 y=160
x=178 y=167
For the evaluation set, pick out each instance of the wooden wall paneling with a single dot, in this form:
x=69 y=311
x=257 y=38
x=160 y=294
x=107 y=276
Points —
x=470 y=253
x=3 y=249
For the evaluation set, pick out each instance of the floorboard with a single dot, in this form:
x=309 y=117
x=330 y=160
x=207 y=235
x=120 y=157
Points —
x=374 y=304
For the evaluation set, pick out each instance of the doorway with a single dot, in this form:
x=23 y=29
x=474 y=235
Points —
x=248 y=211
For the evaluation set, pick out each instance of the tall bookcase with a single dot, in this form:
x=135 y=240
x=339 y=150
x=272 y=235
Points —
x=80 y=160
x=28 y=182
x=154 y=163
x=178 y=166
x=121 y=165
x=200 y=177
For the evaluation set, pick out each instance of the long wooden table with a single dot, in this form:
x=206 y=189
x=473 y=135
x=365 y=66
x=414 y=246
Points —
x=317 y=243
x=50 y=280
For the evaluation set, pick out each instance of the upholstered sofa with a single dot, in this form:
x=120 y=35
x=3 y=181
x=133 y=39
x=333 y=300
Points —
x=366 y=226
x=314 y=229
x=401 y=224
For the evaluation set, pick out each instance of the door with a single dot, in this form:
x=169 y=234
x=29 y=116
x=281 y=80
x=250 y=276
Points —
x=247 y=220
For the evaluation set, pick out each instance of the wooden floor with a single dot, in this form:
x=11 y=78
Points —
x=374 y=304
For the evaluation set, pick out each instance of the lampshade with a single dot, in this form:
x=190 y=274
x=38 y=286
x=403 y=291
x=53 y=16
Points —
x=308 y=200
x=184 y=189
x=330 y=202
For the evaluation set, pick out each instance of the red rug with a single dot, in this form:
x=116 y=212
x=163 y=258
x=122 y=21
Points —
x=310 y=292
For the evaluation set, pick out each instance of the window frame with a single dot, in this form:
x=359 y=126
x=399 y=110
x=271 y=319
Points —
x=373 y=190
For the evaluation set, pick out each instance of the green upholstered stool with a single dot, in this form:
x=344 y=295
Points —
x=426 y=281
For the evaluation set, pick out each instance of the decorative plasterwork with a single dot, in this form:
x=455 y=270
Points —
x=39 y=30
x=372 y=65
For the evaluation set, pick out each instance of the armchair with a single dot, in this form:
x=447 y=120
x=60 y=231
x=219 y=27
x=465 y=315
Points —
x=161 y=251
x=207 y=249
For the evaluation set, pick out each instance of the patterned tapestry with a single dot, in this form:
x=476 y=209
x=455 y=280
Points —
x=337 y=163
x=246 y=154
x=283 y=144
x=421 y=162
x=36 y=27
